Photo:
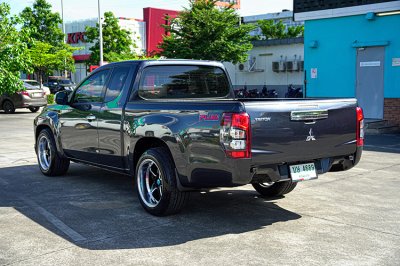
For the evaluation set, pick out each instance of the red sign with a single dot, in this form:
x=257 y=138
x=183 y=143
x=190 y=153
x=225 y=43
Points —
x=75 y=37
x=91 y=68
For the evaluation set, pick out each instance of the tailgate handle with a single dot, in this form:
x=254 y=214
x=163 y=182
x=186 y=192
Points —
x=310 y=115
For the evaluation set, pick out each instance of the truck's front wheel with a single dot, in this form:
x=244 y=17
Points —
x=50 y=162
x=156 y=183
x=274 y=189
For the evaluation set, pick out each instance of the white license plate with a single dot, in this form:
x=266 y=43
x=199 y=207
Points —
x=302 y=172
x=37 y=95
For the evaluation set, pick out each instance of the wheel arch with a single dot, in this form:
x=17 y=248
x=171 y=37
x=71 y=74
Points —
x=47 y=122
x=146 y=143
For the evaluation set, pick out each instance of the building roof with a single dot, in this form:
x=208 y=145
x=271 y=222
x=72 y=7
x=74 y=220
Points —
x=278 y=42
x=279 y=15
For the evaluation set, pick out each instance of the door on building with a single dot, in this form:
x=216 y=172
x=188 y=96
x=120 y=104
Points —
x=369 y=87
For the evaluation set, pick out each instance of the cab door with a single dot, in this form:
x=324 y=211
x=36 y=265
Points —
x=111 y=153
x=79 y=134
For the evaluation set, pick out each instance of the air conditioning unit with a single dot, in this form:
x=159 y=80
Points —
x=293 y=65
x=290 y=66
x=275 y=66
x=282 y=66
x=250 y=65
x=301 y=65
x=242 y=67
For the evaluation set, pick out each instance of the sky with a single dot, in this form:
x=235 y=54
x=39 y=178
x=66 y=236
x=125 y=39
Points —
x=83 y=9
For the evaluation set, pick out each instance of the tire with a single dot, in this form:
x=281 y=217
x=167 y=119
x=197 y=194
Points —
x=49 y=160
x=34 y=109
x=159 y=195
x=8 y=107
x=274 y=189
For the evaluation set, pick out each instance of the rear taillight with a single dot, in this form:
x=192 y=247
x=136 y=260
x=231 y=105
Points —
x=24 y=93
x=235 y=135
x=360 y=127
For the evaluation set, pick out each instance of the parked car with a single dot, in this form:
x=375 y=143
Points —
x=176 y=126
x=56 y=84
x=36 y=84
x=32 y=98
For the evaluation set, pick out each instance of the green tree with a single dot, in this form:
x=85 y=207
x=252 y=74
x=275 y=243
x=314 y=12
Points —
x=277 y=30
x=44 y=25
x=204 y=31
x=117 y=43
x=46 y=58
x=295 y=31
x=13 y=52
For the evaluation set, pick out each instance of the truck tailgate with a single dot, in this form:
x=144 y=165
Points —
x=301 y=130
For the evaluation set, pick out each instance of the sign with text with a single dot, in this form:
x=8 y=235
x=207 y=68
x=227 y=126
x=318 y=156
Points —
x=395 y=61
x=370 y=64
x=76 y=37
x=314 y=73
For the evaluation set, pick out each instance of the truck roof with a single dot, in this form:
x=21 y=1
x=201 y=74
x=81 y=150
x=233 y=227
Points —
x=167 y=62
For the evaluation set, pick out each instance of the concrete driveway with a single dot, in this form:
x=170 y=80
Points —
x=92 y=217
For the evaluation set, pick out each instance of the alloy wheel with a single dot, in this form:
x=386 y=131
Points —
x=150 y=182
x=44 y=152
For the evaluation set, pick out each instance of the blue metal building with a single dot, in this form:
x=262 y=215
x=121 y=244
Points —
x=352 y=49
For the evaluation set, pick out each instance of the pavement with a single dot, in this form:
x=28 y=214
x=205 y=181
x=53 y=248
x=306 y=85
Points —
x=92 y=217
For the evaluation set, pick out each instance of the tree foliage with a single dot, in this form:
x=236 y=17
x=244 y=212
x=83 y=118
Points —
x=117 y=43
x=277 y=30
x=46 y=58
x=204 y=31
x=44 y=25
x=295 y=31
x=46 y=40
x=13 y=56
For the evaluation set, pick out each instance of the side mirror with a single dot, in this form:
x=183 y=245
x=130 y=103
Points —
x=62 y=97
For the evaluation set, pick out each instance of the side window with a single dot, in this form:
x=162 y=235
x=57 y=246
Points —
x=117 y=81
x=185 y=81
x=91 y=90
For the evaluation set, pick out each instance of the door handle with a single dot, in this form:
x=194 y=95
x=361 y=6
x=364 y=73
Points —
x=91 y=117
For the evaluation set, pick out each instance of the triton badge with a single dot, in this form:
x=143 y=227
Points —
x=310 y=136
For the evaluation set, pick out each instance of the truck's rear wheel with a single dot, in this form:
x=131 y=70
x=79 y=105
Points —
x=156 y=183
x=50 y=162
x=274 y=189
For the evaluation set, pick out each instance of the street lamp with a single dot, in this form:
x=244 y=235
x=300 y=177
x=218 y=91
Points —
x=63 y=29
x=100 y=36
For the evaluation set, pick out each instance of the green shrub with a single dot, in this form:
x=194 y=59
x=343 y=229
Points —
x=50 y=99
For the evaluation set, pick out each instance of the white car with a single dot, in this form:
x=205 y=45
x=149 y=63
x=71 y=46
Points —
x=35 y=83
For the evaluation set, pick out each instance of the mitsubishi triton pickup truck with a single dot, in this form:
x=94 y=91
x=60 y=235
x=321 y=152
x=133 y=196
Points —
x=175 y=126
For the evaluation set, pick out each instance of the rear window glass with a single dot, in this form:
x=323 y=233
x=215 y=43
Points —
x=177 y=82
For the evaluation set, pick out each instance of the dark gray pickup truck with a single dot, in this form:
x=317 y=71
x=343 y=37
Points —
x=175 y=126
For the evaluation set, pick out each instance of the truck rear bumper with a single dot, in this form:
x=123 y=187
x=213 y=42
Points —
x=241 y=172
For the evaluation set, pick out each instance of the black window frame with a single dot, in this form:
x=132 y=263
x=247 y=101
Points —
x=105 y=89
x=72 y=99
x=136 y=95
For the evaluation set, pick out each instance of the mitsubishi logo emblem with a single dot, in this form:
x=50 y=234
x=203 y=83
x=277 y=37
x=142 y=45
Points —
x=310 y=136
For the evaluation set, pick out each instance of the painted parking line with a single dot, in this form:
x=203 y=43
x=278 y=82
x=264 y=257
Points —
x=75 y=236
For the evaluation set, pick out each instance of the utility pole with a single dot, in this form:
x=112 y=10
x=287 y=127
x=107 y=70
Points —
x=63 y=29
x=100 y=35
